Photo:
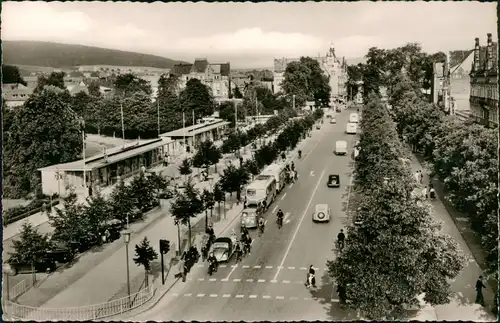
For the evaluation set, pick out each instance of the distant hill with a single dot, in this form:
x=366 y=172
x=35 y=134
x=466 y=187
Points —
x=56 y=55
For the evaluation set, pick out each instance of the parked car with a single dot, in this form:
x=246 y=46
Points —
x=47 y=264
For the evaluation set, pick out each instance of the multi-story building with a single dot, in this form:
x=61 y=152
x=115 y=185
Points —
x=484 y=83
x=334 y=67
x=216 y=76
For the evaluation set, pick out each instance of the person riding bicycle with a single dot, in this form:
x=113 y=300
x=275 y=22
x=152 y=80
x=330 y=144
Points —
x=341 y=239
x=212 y=261
x=280 y=216
x=261 y=224
x=300 y=153
x=311 y=277
x=244 y=230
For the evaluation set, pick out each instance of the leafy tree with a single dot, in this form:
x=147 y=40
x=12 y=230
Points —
x=197 y=96
x=12 y=75
x=145 y=191
x=226 y=112
x=354 y=75
x=140 y=116
x=55 y=79
x=68 y=222
x=127 y=84
x=168 y=101
x=207 y=155
x=253 y=167
x=95 y=215
x=219 y=194
x=185 y=168
x=295 y=82
x=318 y=85
x=234 y=179
x=94 y=89
x=232 y=143
x=186 y=206
x=237 y=93
x=396 y=253
x=79 y=103
x=207 y=198
x=144 y=255
x=45 y=131
x=124 y=203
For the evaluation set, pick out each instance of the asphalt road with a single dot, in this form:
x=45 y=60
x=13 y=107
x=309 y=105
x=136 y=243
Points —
x=269 y=283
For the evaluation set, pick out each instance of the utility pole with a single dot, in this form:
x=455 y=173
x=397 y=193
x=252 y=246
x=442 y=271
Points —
x=235 y=115
x=158 y=110
x=446 y=85
x=123 y=125
x=193 y=118
x=83 y=155
x=293 y=101
x=184 y=128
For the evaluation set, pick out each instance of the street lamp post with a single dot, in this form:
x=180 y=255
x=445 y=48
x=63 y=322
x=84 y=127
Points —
x=178 y=224
x=126 y=236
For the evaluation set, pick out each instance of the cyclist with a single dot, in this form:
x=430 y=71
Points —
x=341 y=239
x=261 y=225
x=280 y=218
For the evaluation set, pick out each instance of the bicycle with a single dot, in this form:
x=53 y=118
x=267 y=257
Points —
x=261 y=230
x=279 y=221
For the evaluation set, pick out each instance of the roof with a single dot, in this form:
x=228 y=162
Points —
x=13 y=92
x=225 y=69
x=73 y=89
x=281 y=63
x=321 y=207
x=215 y=68
x=200 y=65
x=273 y=168
x=114 y=155
x=195 y=129
x=258 y=184
x=483 y=52
x=181 y=69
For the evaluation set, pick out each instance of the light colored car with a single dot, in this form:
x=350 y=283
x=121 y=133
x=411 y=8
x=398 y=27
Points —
x=249 y=218
x=333 y=120
x=351 y=128
x=341 y=147
x=321 y=213
x=223 y=248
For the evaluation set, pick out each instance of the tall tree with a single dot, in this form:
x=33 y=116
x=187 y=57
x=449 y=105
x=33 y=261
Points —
x=128 y=84
x=237 y=93
x=168 y=101
x=198 y=97
x=186 y=206
x=55 y=79
x=45 y=131
x=144 y=255
x=12 y=75
x=226 y=112
x=94 y=89
x=207 y=155
x=233 y=179
x=354 y=75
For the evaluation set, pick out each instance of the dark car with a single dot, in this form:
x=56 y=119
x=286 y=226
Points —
x=47 y=264
x=333 y=181
x=61 y=252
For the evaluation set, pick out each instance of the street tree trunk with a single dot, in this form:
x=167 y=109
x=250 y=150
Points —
x=146 y=278
x=189 y=232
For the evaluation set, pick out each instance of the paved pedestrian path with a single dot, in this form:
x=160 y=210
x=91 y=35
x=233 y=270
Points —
x=462 y=306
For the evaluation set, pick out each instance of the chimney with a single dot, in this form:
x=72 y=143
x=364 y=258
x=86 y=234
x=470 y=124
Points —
x=476 y=56
x=489 y=65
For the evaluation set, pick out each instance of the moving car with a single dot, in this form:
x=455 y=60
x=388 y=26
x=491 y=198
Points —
x=321 y=213
x=250 y=217
x=338 y=109
x=333 y=120
x=333 y=181
x=223 y=248
x=354 y=117
x=318 y=126
x=341 y=147
x=351 y=128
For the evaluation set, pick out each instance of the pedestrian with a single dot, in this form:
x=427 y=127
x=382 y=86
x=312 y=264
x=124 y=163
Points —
x=245 y=203
x=421 y=177
x=479 y=291
x=90 y=190
x=143 y=169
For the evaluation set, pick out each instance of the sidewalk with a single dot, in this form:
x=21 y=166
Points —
x=462 y=305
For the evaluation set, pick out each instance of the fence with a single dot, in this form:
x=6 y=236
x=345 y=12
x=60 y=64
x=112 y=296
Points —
x=18 y=289
x=462 y=115
x=85 y=313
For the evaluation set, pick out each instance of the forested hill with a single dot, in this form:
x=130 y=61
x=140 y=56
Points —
x=38 y=53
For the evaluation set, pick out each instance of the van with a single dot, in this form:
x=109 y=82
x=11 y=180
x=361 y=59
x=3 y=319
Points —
x=351 y=128
x=354 y=118
x=261 y=192
x=341 y=147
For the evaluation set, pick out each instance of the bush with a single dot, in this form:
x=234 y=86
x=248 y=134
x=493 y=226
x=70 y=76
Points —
x=20 y=212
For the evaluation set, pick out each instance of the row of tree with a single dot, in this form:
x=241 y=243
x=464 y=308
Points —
x=463 y=156
x=192 y=202
x=81 y=226
x=398 y=251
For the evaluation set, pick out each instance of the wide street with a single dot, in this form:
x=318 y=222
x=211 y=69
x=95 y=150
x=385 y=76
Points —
x=269 y=283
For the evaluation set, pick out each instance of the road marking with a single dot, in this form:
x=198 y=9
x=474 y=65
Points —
x=200 y=295
x=333 y=300
x=298 y=226
x=310 y=151
x=201 y=279
x=274 y=210
x=287 y=217
x=280 y=297
x=274 y=281
x=246 y=266
x=175 y=294
x=291 y=268
x=249 y=280
x=232 y=270
x=224 y=279
x=214 y=295
x=257 y=267
x=349 y=194
x=261 y=281
x=236 y=280
x=291 y=185
x=226 y=295
x=252 y=296
x=240 y=296
x=266 y=297
x=265 y=222
x=282 y=197
x=303 y=268
x=212 y=279
x=222 y=266
x=293 y=298
x=286 y=282
x=187 y=295
x=269 y=267
x=311 y=173
x=306 y=298
x=233 y=266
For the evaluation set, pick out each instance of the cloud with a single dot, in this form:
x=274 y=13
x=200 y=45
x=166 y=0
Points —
x=251 y=41
x=40 y=21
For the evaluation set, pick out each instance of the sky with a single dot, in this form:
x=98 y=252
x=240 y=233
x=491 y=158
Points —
x=250 y=35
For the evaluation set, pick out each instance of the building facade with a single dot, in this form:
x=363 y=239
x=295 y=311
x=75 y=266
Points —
x=484 y=83
x=216 y=76
x=15 y=95
x=334 y=68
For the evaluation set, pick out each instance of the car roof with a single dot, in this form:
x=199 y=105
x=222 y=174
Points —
x=342 y=141
x=333 y=176
x=321 y=207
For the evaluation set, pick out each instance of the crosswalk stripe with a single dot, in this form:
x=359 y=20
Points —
x=240 y=296
x=261 y=280
x=286 y=282
x=245 y=266
x=200 y=295
x=257 y=267
x=266 y=297
x=212 y=279
x=201 y=279
x=214 y=295
x=226 y=295
x=252 y=296
x=188 y=294
x=269 y=267
x=274 y=281
x=224 y=279
x=249 y=280
x=222 y=266
x=280 y=297
x=291 y=268
x=236 y=280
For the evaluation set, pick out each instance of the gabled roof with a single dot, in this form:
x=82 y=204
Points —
x=225 y=69
x=200 y=65
x=181 y=69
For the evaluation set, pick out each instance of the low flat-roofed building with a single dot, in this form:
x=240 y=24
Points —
x=213 y=129
x=260 y=119
x=105 y=168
